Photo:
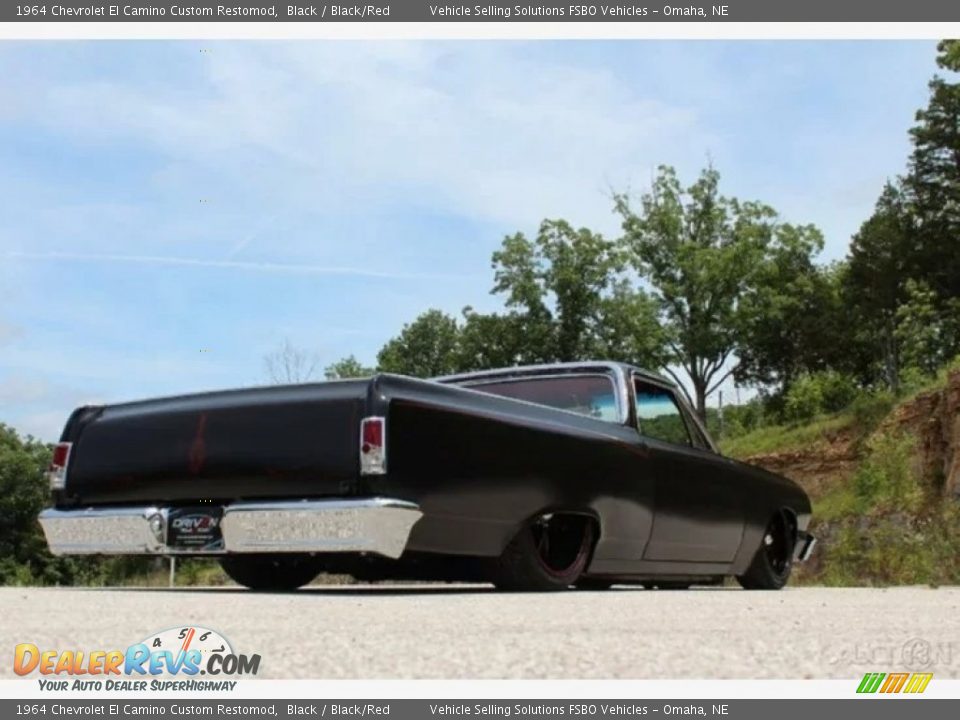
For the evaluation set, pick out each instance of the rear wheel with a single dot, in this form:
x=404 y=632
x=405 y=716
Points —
x=270 y=572
x=771 y=566
x=549 y=553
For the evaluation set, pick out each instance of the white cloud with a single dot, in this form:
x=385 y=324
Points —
x=269 y=267
x=485 y=132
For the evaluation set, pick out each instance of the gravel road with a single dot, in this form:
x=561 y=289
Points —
x=447 y=631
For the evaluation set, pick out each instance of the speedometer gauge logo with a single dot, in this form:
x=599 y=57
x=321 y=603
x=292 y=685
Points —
x=200 y=642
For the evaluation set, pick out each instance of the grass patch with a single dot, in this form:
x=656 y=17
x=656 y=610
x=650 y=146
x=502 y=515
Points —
x=892 y=550
x=781 y=438
x=838 y=502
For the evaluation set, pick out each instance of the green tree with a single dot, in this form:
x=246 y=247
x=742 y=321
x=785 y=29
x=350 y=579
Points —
x=348 y=367
x=920 y=329
x=875 y=279
x=491 y=340
x=933 y=181
x=794 y=320
x=24 y=558
x=427 y=347
x=630 y=330
x=23 y=493
x=949 y=55
x=704 y=255
x=569 y=299
x=557 y=281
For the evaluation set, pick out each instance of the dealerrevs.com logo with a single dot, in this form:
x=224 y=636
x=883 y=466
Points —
x=172 y=659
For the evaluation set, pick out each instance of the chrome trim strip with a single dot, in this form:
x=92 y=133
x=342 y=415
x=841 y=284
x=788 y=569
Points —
x=375 y=525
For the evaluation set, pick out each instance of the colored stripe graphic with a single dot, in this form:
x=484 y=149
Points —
x=894 y=682
x=870 y=682
x=913 y=683
x=918 y=682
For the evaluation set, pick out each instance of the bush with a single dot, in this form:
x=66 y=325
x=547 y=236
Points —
x=804 y=399
x=885 y=477
x=870 y=408
x=837 y=390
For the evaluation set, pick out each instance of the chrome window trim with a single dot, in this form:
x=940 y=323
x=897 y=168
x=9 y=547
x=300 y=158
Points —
x=615 y=374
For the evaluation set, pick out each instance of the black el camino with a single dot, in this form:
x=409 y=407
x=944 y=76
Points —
x=532 y=478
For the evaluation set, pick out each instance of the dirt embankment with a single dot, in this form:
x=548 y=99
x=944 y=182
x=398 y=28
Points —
x=933 y=418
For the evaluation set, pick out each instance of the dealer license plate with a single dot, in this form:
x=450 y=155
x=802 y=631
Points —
x=195 y=529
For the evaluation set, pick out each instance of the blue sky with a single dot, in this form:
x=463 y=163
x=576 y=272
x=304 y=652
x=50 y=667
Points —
x=160 y=199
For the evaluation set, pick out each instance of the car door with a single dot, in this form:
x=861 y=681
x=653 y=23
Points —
x=698 y=509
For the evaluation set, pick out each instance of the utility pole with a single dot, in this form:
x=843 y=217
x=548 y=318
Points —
x=720 y=396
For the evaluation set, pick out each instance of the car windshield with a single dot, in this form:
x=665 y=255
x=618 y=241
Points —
x=590 y=395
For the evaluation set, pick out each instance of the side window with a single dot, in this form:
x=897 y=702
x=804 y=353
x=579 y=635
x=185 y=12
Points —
x=659 y=415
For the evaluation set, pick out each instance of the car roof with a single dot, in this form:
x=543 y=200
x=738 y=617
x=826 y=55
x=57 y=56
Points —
x=554 y=368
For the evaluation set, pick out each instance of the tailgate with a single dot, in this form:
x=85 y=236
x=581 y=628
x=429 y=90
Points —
x=294 y=440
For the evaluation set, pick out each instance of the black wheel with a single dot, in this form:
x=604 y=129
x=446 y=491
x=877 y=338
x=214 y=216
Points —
x=771 y=566
x=270 y=572
x=593 y=584
x=550 y=553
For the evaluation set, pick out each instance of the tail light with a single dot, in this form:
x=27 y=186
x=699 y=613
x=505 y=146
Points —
x=373 y=446
x=57 y=472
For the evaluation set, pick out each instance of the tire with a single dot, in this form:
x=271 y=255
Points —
x=271 y=572
x=549 y=553
x=771 y=566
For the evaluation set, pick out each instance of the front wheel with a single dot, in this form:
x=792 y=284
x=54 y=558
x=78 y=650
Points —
x=271 y=572
x=549 y=553
x=771 y=566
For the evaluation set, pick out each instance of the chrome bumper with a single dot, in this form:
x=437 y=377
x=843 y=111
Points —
x=375 y=525
x=804 y=547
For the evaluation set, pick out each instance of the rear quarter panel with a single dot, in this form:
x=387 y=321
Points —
x=481 y=465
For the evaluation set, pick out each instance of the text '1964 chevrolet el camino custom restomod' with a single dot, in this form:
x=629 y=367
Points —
x=533 y=478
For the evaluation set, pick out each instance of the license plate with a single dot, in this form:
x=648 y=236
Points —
x=195 y=528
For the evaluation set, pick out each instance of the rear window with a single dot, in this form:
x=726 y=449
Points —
x=590 y=395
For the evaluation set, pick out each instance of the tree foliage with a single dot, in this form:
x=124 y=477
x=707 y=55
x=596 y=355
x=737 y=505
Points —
x=348 y=367
x=568 y=290
x=426 y=347
x=24 y=558
x=713 y=262
x=933 y=180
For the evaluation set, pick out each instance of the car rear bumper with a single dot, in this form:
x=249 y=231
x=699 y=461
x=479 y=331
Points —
x=375 y=525
x=804 y=547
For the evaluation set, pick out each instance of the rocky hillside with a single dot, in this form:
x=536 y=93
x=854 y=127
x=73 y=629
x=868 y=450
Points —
x=885 y=490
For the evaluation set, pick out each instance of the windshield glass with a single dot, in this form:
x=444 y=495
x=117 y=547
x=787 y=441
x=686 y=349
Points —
x=590 y=395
